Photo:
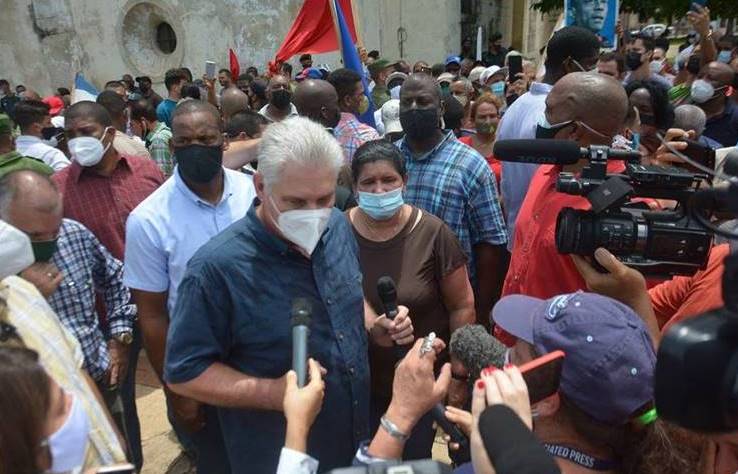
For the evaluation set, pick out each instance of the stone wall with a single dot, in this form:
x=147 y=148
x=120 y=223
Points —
x=44 y=42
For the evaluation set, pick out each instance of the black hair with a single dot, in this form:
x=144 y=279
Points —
x=28 y=112
x=63 y=91
x=570 y=42
x=187 y=73
x=4 y=82
x=608 y=56
x=255 y=72
x=143 y=108
x=495 y=37
x=113 y=103
x=245 y=121
x=287 y=67
x=88 y=109
x=190 y=90
x=344 y=81
x=662 y=43
x=648 y=42
x=306 y=57
x=377 y=150
x=245 y=77
x=663 y=110
x=374 y=54
x=173 y=77
x=438 y=69
x=225 y=71
x=114 y=84
x=258 y=88
x=196 y=106
x=453 y=114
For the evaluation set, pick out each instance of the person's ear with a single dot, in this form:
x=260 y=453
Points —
x=548 y=406
x=243 y=136
x=226 y=142
x=259 y=187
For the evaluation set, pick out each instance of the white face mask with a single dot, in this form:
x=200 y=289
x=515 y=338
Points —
x=701 y=91
x=16 y=253
x=303 y=227
x=88 y=151
x=656 y=66
x=68 y=445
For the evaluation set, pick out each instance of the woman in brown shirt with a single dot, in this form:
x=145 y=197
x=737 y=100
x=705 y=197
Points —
x=423 y=257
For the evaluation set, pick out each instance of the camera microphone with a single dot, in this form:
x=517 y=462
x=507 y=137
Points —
x=553 y=152
x=301 y=313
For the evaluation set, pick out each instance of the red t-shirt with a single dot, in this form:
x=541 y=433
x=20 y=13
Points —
x=687 y=296
x=494 y=164
x=536 y=267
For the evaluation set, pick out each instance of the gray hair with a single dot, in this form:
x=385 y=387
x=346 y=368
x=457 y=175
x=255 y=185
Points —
x=690 y=117
x=298 y=141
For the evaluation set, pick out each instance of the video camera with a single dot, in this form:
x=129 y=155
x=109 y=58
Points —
x=654 y=242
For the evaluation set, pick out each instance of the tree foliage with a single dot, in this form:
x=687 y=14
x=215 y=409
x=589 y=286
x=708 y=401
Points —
x=661 y=10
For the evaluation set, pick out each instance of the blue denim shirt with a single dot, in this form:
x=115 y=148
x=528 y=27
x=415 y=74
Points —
x=234 y=307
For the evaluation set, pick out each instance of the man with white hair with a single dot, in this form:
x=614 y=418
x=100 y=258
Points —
x=229 y=342
x=690 y=117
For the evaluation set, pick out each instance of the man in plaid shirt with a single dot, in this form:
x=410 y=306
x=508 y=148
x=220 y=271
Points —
x=79 y=265
x=155 y=134
x=453 y=182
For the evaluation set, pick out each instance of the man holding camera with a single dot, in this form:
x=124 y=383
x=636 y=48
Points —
x=569 y=116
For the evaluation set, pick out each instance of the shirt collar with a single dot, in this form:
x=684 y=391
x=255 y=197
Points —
x=157 y=129
x=540 y=88
x=228 y=187
x=406 y=148
x=12 y=155
x=28 y=139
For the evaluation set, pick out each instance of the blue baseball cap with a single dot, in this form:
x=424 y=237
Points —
x=453 y=59
x=610 y=359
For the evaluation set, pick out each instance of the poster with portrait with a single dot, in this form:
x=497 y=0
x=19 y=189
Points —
x=598 y=16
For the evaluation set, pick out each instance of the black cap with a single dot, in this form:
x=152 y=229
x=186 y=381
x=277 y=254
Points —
x=143 y=78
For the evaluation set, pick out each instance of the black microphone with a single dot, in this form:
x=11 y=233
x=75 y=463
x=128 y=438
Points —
x=388 y=296
x=476 y=349
x=551 y=152
x=511 y=446
x=301 y=313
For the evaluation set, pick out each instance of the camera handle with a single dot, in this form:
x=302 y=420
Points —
x=597 y=167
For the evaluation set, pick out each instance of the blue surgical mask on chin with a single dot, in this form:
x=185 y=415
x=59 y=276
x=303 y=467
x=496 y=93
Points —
x=381 y=206
x=725 y=56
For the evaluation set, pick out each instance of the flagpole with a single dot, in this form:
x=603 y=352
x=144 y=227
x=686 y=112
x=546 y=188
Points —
x=336 y=28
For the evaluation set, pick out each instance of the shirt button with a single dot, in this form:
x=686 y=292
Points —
x=329 y=301
x=340 y=336
x=351 y=370
x=356 y=403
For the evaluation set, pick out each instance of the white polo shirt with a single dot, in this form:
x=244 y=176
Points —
x=169 y=226
x=28 y=145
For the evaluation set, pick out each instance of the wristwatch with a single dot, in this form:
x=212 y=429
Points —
x=125 y=338
x=392 y=429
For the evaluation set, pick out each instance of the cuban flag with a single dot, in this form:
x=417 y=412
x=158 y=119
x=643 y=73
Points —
x=351 y=58
x=83 y=90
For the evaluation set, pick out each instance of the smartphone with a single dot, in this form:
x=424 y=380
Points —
x=118 y=469
x=210 y=69
x=542 y=375
x=700 y=153
x=515 y=67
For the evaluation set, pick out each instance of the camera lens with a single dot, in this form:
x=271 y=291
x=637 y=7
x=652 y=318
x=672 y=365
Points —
x=574 y=231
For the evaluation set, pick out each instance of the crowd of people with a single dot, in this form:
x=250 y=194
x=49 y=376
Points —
x=187 y=225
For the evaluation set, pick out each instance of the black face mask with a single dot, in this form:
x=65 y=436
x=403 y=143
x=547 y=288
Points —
x=49 y=132
x=281 y=98
x=199 y=163
x=419 y=123
x=633 y=60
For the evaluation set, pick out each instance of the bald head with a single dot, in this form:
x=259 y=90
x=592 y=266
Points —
x=205 y=111
x=597 y=100
x=421 y=83
x=719 y=74
x=24 y=193
x=233 y=100
x=317 y=100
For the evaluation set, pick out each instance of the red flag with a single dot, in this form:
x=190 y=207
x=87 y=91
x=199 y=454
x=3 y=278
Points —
x=235 y=67
x=314 y=30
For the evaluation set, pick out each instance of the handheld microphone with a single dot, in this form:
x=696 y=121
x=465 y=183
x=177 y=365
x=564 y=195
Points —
x=511 y=446
x=301 y=313
x=476 y=349
x=388 y=296
x=552 y=152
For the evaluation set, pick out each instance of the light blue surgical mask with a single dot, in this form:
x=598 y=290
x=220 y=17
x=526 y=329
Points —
x=498 y=88
x=381 y=206
x=725 y=56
